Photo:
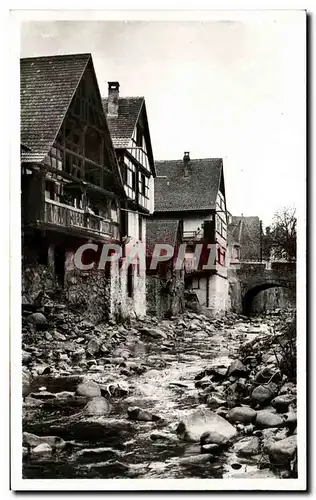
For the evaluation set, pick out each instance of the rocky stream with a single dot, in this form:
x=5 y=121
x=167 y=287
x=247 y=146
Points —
x=186 y=397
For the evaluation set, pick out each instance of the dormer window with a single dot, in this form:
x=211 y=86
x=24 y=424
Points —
x=114 y=211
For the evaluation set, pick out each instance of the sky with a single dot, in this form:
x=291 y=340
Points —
x=228 y=88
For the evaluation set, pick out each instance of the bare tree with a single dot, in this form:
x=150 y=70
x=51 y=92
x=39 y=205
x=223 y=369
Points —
x=282 y=234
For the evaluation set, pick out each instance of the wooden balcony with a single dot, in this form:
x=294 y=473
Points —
x=71 y=218
x=192 y=235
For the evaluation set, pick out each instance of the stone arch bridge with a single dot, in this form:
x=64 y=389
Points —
x=253 y=277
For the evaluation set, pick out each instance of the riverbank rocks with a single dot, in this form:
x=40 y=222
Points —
x=215 y=400
x=155 y=333
x=136 y=413
x=237 y=369
x=195 y=459
x=247 y=446
x=218 y=373
x=26 y=358
x=266 y=418
x=88 y=389
x=243 y=414
x=263 y=394
x=41 y=369
x=93 y=347
x=26 y=382
x=53 y=441
x=37 y=319
x=268 y=374
x=163 y=436
x=283 y=452
x=202 y=421
x=271 y=435
x=97 y=406
x=288 y=388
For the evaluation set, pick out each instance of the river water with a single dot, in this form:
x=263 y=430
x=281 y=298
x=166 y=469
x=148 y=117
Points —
x=124 y=448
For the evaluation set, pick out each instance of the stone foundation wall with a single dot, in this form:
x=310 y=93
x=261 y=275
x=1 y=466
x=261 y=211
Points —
x=37 y=277
x=165 y=297
x=234 y=291
x=87 y=291
x=218 y=294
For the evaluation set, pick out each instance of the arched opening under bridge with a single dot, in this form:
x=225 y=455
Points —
x=250 y=294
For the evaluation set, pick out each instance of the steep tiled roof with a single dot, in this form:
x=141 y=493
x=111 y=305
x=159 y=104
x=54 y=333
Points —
x=160 y=231
x=197 y=191
x=47 y=87
x=246 y=231
x=122 y=126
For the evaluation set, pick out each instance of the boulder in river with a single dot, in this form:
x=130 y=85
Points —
x=163 y=436
x=268 y=374
x=37 y=319
x=263 y=394
x=243 y=414
x=237 y=369
x=89 y=389
x=53 y=441
x=97 y=406
x=271 y=435
x=196 y=459
x=281 y=403
x=247 y=446
x=26 y=358
x=282 y=452
x=201 y=421
x=136 y=413
x=42 y=369
x=155 y=333
x=93 y=347
x=43 y=450
x=265 y=418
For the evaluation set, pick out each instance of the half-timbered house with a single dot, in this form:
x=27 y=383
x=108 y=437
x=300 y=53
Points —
x=71 y=187
x=193 y=190
x=128 y=125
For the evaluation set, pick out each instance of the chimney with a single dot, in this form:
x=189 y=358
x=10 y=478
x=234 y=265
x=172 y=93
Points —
x=186 y=163
x=113 y=98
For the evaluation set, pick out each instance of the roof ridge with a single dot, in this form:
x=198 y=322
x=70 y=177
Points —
x=127 y=97
x=56 y=55
x=191 y=159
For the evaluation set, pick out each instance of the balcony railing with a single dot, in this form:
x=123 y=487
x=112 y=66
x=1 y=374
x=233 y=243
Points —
x=75 y=218
x=192 y=235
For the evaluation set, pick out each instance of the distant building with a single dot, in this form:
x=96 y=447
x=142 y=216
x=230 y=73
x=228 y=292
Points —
x=247 y=232
x=193 y=190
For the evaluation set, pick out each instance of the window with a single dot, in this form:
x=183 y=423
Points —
x=140 y=228
x=133 y=181
x=123 y=168
x=143 y=184
x=114 y=211
x=130 y=281
x=49 y=190
x=56 y=158
x=196 y=284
